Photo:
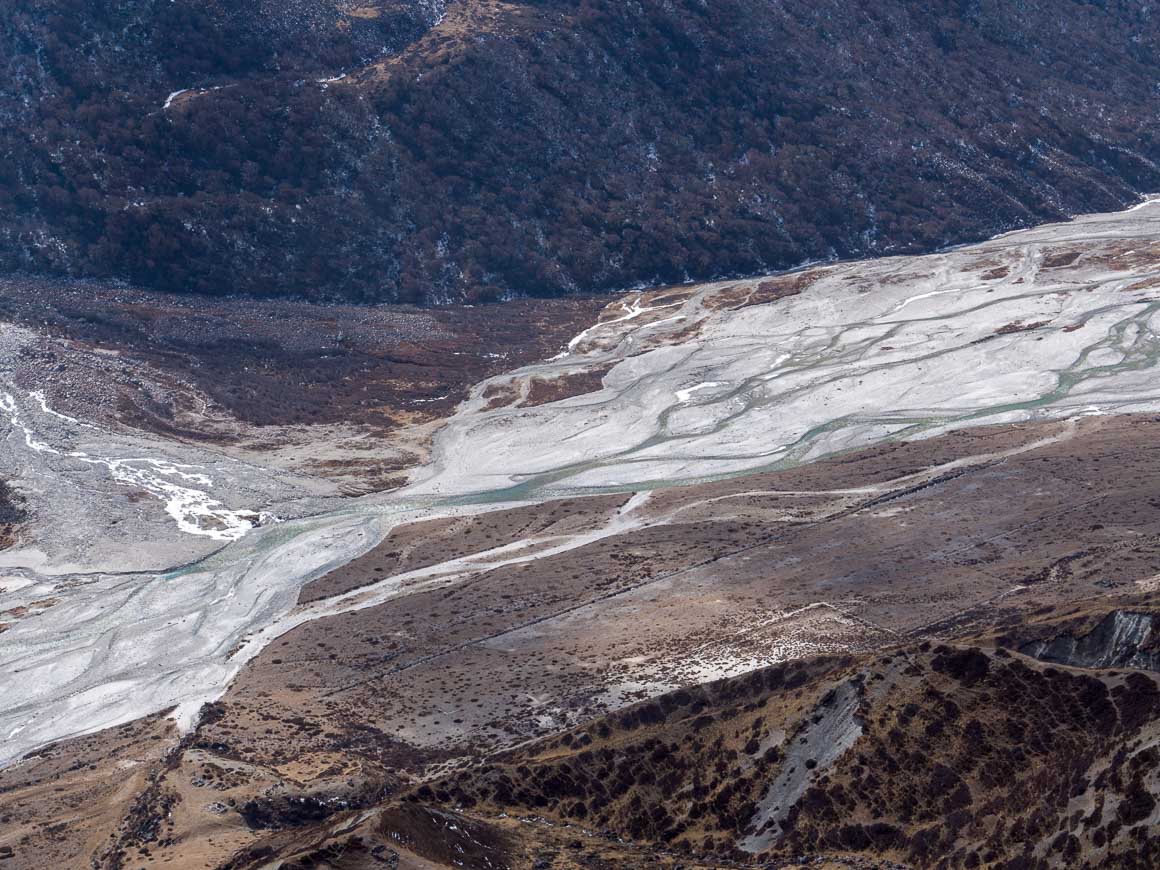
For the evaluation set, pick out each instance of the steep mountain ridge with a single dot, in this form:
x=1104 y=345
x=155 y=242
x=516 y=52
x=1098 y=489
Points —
x=927 y=755
x=957 y=754
x=429 y=152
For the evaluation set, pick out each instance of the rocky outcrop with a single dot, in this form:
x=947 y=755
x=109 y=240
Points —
x=1121 y=639
x=12 y=513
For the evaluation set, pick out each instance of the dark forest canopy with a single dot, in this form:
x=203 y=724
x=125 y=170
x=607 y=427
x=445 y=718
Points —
x=545 y=147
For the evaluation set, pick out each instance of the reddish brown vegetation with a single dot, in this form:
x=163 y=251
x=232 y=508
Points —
x=544 y=147
x=541 y=391
x=1011 y=328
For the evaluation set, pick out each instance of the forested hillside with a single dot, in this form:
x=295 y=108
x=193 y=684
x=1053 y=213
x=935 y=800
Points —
x=430 y=151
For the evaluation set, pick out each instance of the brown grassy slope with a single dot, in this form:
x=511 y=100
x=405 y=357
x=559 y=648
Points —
x=967 y=755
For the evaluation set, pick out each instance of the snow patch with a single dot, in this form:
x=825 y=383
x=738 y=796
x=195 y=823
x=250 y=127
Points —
x=173 y=96
x=684 y=395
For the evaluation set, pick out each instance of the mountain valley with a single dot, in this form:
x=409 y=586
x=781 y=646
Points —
x=853 y=565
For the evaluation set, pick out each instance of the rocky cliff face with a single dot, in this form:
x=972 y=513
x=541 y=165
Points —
x=429 y=151
x=1120 y=639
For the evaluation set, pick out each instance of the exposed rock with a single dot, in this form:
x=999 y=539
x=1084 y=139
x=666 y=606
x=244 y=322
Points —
x=1120 y=639
x=824 y=737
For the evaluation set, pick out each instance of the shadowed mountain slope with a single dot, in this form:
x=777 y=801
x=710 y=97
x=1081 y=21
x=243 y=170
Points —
x=474 y=149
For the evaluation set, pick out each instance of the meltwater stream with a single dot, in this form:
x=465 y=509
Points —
x=896 y=348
